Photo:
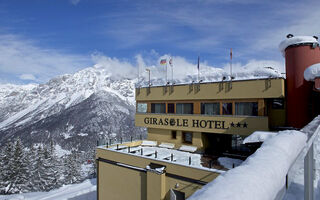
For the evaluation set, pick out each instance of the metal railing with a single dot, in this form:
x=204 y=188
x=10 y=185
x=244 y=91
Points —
x=305 y=158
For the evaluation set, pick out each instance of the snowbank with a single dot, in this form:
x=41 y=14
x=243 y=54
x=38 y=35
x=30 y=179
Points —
x=261 y=175
x=258 y=136
x=312 y=72
x=296 y=40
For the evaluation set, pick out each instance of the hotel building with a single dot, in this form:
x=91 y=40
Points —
x=191 y=125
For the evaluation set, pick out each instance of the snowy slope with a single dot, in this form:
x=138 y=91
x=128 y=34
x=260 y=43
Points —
x=82 y=191
x=74 y=110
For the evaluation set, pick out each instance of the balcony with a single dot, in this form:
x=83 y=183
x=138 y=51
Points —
x=239 y=125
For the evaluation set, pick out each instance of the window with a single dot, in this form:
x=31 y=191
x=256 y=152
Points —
x=210 y=108
x=141 y=107
x=184 y=108
x=277 y=103
x=170 y=107
x=187 y=137
x=174 y=134
x=227 y=108
x=158 y=108
x=247 y=108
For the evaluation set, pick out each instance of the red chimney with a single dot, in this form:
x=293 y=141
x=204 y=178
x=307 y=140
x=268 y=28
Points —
x=300 y=52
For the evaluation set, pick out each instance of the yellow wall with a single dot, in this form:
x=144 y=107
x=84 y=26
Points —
x=121 y=183
x=253 y=123
x=246 y=89
x=113 y=180
x=163 y=135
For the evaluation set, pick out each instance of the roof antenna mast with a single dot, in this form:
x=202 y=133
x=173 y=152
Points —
x=231 y=64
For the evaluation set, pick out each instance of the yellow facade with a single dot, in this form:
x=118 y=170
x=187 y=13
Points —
x=245 y=89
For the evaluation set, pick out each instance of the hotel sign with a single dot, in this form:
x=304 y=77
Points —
x=193 y=123
x=241 y=125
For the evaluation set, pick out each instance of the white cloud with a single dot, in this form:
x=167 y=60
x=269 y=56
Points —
x=184 y=70
x=74 y=2
x=20 y=56
x=27 y=77
x=116 y=67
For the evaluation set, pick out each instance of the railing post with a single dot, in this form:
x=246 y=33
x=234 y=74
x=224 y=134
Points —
x=309 y=175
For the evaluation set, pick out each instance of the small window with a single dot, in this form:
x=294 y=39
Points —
x=174 y=134
x=187 y=137
x=210 y=108
x=184 y=108
x=158 y=108
x=170 y=107
x=247 y=108
x=277 y=103
x=142 y=107
x=227 y=108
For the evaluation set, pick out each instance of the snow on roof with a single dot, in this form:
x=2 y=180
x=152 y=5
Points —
x=164 y=155
x=148 y=143
x=258 y=136
x=167 y=145
x=312 y=72
x=188 y=148
x=261 y=175
x=295 y=40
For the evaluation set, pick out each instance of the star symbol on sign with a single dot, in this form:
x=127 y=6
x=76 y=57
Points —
x=232 y=124
x=238 y=124
x=245 y=125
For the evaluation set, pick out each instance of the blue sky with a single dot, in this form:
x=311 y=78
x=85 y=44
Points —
x=40 y=39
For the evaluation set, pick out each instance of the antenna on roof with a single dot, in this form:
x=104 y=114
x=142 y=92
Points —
x=231 y=62
x=198 y=68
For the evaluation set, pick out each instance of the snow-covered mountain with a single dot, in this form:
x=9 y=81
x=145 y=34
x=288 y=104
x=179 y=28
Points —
x=73 y=110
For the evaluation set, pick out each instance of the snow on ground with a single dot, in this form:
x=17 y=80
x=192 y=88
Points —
x=261 y=175
x=61 y=152
x=82 y=191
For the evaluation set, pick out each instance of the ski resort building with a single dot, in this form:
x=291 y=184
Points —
x=191 y=126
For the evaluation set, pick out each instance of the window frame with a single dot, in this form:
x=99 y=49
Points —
x=184 y=133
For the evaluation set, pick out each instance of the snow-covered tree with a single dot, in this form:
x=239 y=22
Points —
x=20 y=170
x=72 y=168
x=6 y=160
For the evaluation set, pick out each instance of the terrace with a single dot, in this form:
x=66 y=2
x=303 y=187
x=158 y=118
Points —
x=166 y=152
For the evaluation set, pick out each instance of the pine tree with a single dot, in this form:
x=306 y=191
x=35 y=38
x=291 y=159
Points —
x=32 y=158
x=52 y=173
x=20 y=169
x=6 y=166
x=39 y=180
x=72 y=169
